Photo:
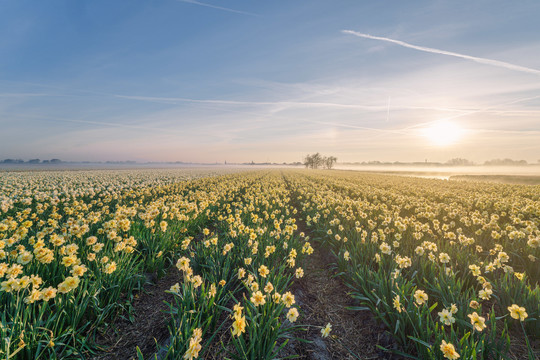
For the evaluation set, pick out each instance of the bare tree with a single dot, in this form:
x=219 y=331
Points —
x=459 y=162
x=313 y=161
x=317 y=160
x=329 y=162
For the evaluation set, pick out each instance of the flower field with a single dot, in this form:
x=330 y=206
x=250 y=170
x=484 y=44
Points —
x=450 y=268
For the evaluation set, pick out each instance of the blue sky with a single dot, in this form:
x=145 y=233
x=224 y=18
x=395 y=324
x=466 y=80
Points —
x=268 y=81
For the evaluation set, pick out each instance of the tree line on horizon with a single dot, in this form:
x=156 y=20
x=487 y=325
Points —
x=313 y=161
x=497 y=162
x=31 y=161
x=451 y=162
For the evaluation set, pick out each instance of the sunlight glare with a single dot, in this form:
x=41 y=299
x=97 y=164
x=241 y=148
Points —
x=443 y=133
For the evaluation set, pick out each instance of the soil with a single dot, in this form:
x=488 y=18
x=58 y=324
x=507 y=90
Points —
x=322 y=299
x=120 y=339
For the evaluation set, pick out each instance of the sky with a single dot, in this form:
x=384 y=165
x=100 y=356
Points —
x=272 y=81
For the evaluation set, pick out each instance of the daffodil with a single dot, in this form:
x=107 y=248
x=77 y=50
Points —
x=518 y=312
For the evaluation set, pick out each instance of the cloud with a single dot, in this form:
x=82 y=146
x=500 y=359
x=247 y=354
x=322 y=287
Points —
x=300 y=104
x=480 y=60
x=348 y=126
x=492 y=108
x=251 y=103
x=22 y=95
x=217 y=7
x=100 y=123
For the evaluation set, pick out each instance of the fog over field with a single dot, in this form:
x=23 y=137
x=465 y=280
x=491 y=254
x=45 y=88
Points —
x=435 y=172
x=447 y=171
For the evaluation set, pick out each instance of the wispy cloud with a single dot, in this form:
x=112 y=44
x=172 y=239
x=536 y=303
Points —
x=480 y=60
x=279 y=106
x=217 y=7
x=251 y=103
x=22 y=95
x=303 y=104
x=100 y=123
x=490 y=109
x=348 y=126
x=493 y=108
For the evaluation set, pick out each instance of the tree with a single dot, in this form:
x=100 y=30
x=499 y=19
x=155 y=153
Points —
x=459 y=162
x=329 y=162
x=504 y=162
x=313 y=161
x=317 y=160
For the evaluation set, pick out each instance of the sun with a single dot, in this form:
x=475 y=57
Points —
x=443 y=133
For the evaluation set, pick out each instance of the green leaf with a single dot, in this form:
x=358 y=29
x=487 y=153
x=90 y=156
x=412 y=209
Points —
x=420 y=341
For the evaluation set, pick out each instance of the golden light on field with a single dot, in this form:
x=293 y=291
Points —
x=443 y=133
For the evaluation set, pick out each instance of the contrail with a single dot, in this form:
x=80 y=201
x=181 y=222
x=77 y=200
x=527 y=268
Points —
x=480 y=60
x=217 y=7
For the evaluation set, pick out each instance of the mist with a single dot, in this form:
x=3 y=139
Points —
x=445 y=172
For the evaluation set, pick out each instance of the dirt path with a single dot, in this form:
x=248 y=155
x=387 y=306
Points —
x=121 y=338
x=324 y=299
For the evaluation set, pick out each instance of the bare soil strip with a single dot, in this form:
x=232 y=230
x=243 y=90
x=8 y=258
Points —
x=121 y=338
x=323 y=299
